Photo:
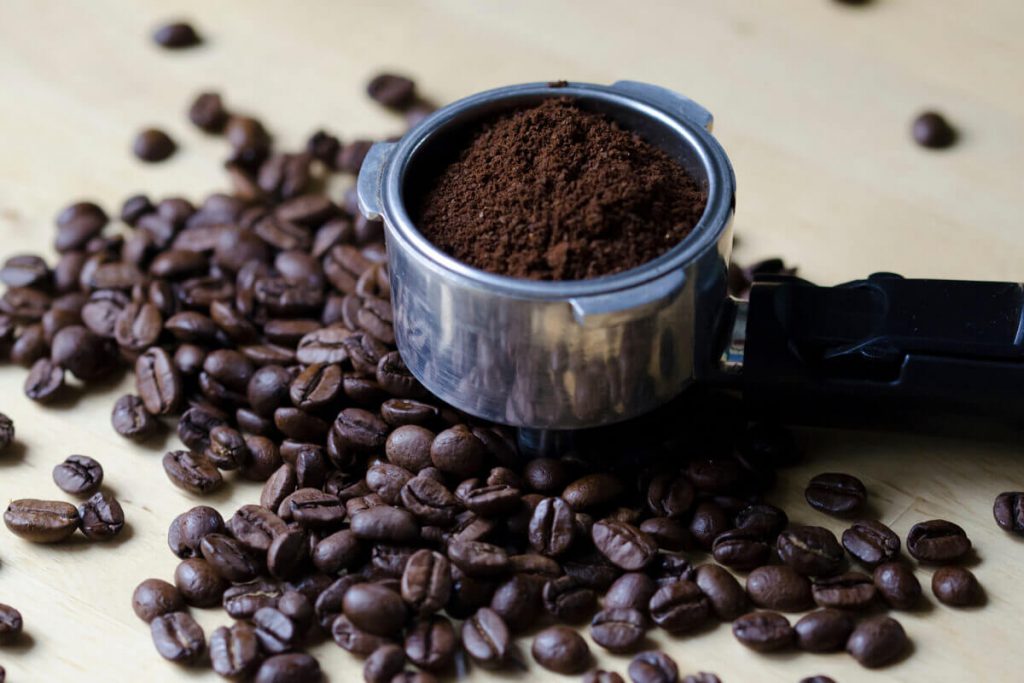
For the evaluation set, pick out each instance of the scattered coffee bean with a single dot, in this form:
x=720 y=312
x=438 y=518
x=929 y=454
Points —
x=810 y=550
x=763 y=631
x=6 y=432
x=199 y=584
x=1008 y=509
x=295 y=667
x=102 y=517
x=937 y=541
x=154 y=598
x=871 y=543
x=653 y=667
x=192 y=472
x=680 y=606
x=726 y=595
x=602 y=676
x=188 y=529
x=562 y=650
x=897 y=585
x=234 y=651
x=849 y=591
x=932 y=130
x=486 y=638
x=824 y=630
x=877 y=641
x=427 y=582
x=779 y=587
x=618 y=630
x=392 y=90
x=836 y=494
x=741 y=549
x=957 y=587
x=176 y=35
x=208 y=113
x=623 y=544
x=153 y=145
x=130 y=418
x=11 y=624
x=78 y=475
x=41 y=521
x=178 y=638
x=375 y=609
x=632 y=590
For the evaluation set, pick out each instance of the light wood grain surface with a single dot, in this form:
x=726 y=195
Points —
x=813 y=102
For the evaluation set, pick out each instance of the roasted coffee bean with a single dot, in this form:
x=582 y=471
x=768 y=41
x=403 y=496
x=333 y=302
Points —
x=360 y=431
x=387 y=481
x=956 y=587
x=742 y=549
x=680 y=606
x=877 y=641
x=384 y=664
x=235 y=651
x=192 y=472
x=41 y=521
x=810 y=550
x=294 y=667
x=670 y=496
x=6 y=432
x=188 y=529
x=546 y=475
x=385 y=523
x=244 y=600
x=552 y=527
x=618 y=630
x=825 y=630
x=178 y=638
x=430 y=501
x=25 y=270
x=227 y=450
x=592 y=491
x=1008 y=510
x=669 y=534
x=288 y=553
x=763 y=631
x=562 y=650
x=623 y=544
x=836 y=494
x=154 y=597
x=275 y=631
x=766 y=520
x=208 y=113
x=101 y=517
x=779 y=587
x=78 y=475
x=199 y=584
x=408 y=446
x=713 y=475
x=937 y=541
x=195 y=425
x=568 y=600
x=264 y=458
x=338 y=551
x=486 y=638
x=158 y=382
x=130 y=418
x=826 y=679
x=153 y=144
x=602 y=676
x=430 y=643
x=850 y=591
x=11 y=624
x=176 y=35
x=726 y=595
x=138 y=327
x=653 y=667
x=44 y=380
x=632 y=590
x=477 y=558
x=932 y=130
x=316 y=386
x=398 y=412
x=312 y=508
x=457 y=451
x=871 y=543
x=268 y=389
x=374 y=609
x=393 y=91
x=427 y=582
x=702 y=677
x=897 y=585
x=709 y=521
x=30 y=346
x=488 y=500
x=229 y=558
x=392 y=374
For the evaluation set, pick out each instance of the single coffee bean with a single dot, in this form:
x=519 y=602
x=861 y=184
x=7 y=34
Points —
x=653 y=667
x=458 y=451
x=618 y=630
x=897 y=585
x=632 y=590
x=235 y=651
x=337 y=551
x=1008 y=510
x=153 y=144
x=602 y=676
x=384 y=664
x=158 y=382
x=155 y=597
x=741 y=549
x=430 y=643
x=78 y=475
x=295 y=667
x=101 y=516
x=6 y=432
x=130 y=418
x=313 y=508
x=188 y=529
x=679 y=606
x=176 y=35
x=385 y=523
x=877 y=641
x=593 y=490
x=709 y=521
x=932 y=130
x=478 y=559
x=763 y=631
x=849 y=591
x=937 y=541
x=427 y=582
x=391 y=90
x=192 y=472
x=275 y=631
x=779 y=587
x=956 y=587
x=353 y=639
x=208 y=113
x=229 y=558
x=765 y=520
x=824 y=630
x=374 y=609
x=561 y=650
x=177 y=637
x=11 y=624
x=44 y=380
x=836 y=494
x=244 y=600
x=568 y=600
x=726 y=595
x=810 y=550
x=670 y=496
x=623 y=544
x=871 y=543
x=41 y=521
x=198 y=583
x=486 y=638
x=552 y=527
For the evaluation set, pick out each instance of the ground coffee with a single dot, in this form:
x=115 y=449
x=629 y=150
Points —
x=554 y=192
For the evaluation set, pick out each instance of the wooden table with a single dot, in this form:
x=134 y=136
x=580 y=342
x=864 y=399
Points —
x=813 y=102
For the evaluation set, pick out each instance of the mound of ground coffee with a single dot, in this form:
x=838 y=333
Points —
x=554 y=192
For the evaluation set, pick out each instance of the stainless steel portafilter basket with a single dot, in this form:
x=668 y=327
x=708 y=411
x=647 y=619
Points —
x=554 y=355
x=551 y=356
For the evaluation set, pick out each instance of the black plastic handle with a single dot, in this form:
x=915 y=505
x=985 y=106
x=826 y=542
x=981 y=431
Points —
x=887 y=351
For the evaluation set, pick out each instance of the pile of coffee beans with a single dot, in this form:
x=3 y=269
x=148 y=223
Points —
x=259 y=323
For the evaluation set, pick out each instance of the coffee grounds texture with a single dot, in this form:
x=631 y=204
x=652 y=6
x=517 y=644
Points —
x=555 y=192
